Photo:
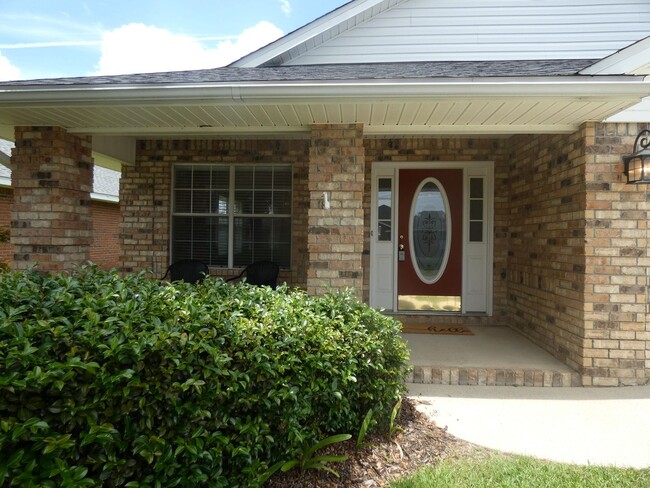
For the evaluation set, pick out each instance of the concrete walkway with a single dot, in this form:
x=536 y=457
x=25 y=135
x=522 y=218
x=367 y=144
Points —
x=597 y=426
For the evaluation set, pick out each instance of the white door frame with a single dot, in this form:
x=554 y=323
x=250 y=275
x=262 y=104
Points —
x=379 y=272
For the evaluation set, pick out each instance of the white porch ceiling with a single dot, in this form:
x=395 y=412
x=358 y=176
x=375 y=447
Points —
x=289 y=109
x=482 y=116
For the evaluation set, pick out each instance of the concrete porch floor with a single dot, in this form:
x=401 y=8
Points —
x=493 y=356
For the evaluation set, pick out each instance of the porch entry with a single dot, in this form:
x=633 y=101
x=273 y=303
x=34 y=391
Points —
x=431 y=238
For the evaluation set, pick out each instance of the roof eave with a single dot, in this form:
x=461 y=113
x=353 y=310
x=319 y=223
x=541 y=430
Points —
x=606 y=87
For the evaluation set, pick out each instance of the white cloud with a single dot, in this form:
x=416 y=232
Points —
x=8 y=71
x=285 y=6
x=139 y=48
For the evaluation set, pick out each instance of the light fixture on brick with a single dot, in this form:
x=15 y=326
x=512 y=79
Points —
x=637 y=165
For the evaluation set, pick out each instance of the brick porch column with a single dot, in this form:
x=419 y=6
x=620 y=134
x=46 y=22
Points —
x=52 y=175
x=335 y=234
x=617 y=243
x=145 y=206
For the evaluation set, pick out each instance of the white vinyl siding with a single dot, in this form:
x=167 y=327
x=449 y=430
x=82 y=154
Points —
x=465 y=30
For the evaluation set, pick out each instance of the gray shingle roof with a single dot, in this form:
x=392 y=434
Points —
x=335 y=72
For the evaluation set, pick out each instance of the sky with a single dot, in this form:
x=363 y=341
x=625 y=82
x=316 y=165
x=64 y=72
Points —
x=61 y=38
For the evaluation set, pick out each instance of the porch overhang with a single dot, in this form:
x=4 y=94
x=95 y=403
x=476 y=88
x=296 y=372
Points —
x=395 y=107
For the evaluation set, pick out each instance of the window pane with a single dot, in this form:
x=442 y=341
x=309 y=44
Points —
x=220 y=177
x=183 y=201
x=476 y=231
x=220 y=202
x=384 y=210
x=476 y=188
x=263 y=203
x=244 y=177
x=281 y=202
x=429 y=240
x=183 y=177
x=219 y=249
x=204 y=238
x=282 y=231
x=201 y=177
x=201 y=228
x=476 y=210
x=244 y=202
x=263 y=178
x=181 y=250
x=201 y=201
x=282 y=178
x=258 y=239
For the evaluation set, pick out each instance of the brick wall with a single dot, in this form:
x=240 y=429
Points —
x=105 y=243
x=451 y=150
x=546 y=263
x=617 y=264
x=335 y=235
x=145 y=191
x=6 y=199
x=52 y=180
x=578 y=252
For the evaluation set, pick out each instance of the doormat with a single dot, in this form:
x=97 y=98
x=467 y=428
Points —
x=437 y=329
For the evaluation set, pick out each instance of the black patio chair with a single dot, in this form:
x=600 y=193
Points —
x=188 y=270
x=260 y=273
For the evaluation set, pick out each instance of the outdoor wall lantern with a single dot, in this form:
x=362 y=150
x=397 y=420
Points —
x=637 y=165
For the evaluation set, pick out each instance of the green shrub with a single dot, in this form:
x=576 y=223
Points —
x=128 y=381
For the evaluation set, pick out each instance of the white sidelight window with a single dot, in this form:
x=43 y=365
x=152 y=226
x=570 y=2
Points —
x=231 y=216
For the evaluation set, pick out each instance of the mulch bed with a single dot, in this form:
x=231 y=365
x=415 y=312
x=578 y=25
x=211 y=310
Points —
x=419 y=442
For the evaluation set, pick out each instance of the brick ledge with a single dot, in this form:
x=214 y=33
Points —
x=492 y=377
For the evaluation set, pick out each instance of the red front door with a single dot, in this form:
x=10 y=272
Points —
x=430 y=218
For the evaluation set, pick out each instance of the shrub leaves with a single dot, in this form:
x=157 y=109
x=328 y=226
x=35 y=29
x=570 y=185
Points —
x=127 y=381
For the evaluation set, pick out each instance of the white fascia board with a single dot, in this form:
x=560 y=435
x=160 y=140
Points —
x=606 y=87
x=625 y=61
x=5 y=182
x=309 y=31
x=637 y=113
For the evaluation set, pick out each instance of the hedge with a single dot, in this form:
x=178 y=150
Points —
x=128 y=381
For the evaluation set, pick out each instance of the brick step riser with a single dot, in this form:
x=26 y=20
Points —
x=492 y=377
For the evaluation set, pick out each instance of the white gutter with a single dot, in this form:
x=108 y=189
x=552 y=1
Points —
x=4 y=181
x=305 y=91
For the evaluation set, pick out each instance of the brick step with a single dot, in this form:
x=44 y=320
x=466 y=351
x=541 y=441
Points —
x=437 y=375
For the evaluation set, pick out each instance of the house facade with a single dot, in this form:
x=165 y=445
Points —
x=452 y=164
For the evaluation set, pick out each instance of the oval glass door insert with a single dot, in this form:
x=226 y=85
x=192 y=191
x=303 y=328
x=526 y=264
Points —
x=430 y=227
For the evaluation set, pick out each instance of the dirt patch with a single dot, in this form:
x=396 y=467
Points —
x=418 y=442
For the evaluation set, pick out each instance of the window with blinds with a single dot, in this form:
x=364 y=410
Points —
x=232 y=216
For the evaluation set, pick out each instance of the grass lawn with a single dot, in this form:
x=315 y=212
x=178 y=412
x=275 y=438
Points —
x=522 y=472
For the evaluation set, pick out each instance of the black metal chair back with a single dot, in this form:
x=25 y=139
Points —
x=188 y=270
x=260 y=273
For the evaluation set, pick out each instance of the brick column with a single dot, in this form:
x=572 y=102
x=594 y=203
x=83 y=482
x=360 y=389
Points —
x=145 y=205
x=335 y=234
x=617 y=267
x=52 y=175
